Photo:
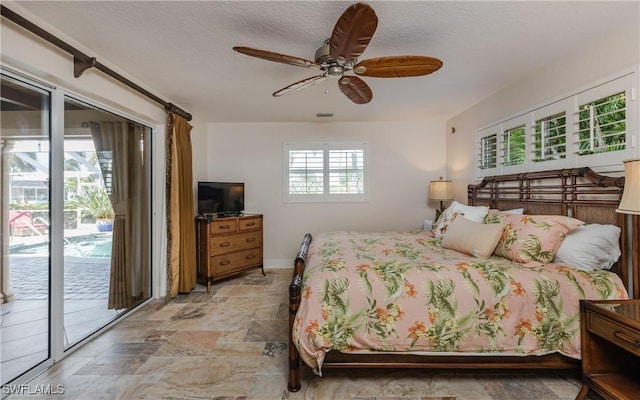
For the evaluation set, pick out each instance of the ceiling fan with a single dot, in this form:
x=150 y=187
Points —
x=340 y=53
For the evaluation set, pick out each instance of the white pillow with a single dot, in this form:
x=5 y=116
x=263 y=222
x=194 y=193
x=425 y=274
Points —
x=472 y=213
x=590 y=247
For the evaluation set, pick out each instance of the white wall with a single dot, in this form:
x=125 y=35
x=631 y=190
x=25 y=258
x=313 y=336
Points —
x=403 y=158
x=596 y=60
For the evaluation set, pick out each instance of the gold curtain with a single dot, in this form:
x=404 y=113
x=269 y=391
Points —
x=181 y=237
x=121 y=159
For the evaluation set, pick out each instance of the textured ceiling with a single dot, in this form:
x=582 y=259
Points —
x=182 y=50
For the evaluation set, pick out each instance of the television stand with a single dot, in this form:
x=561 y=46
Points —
x=230 y=214
x=227 y=246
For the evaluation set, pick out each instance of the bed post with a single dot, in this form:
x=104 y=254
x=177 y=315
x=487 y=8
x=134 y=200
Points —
x=294 y=302
x=635 y=256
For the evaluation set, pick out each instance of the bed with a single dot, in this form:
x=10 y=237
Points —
x=429 y=299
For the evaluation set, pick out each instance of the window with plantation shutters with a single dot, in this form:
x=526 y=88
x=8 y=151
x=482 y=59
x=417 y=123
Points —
x=346 y=171
x=513 y=146
x=596 y=127
x=325 y=172
x=306 y=170
x=487 y=152
x=602 y=125
x=550 y=138
x=606 y=130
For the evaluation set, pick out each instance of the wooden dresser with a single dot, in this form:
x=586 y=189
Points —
x=610 y=348
x=227 y=246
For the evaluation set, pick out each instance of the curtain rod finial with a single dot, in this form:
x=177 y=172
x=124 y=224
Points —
x=170 y=107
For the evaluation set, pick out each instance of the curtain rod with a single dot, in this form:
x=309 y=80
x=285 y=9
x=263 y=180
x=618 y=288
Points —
x=82 y=62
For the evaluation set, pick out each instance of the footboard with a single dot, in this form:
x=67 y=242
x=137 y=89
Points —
x=294 y=302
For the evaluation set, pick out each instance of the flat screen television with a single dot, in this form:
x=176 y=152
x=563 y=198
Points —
x=221 y=198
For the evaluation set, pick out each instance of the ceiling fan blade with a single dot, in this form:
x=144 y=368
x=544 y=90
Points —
x=294 y=87
x=353 y=32
x=277 y=57
x=355 y=89
x=397 y=66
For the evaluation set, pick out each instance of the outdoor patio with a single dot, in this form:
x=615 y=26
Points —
x=24 y=320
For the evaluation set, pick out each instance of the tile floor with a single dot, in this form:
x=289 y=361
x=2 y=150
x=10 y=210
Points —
x=232 y=344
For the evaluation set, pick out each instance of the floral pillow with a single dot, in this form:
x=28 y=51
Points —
x=495 y=216
x=533 y=238
x=472 y=213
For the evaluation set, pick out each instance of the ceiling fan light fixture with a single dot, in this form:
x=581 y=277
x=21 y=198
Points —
x=335 y=71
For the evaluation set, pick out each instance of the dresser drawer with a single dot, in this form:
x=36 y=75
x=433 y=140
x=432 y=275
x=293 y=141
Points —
x=223 y=226
x=245 y=224
x=234 y=261
x=622 y=336
x=230 y=243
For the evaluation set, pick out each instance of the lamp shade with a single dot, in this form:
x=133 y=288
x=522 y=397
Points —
x=630 y=203
x=440 y=190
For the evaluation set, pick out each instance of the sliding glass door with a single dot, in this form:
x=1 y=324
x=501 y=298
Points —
x=75 y=190
x=24 y=215
x=107 y=196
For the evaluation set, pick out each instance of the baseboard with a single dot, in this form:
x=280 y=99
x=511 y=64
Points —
x=278 y=264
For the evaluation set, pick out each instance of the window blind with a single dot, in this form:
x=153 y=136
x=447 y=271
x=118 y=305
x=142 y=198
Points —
x=325 y=172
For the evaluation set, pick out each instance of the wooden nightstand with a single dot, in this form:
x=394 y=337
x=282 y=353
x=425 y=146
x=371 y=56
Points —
x=610 y=338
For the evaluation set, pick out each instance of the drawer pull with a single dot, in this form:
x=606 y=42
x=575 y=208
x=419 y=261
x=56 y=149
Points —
x=251 y=240
x=623 y=336
x=225 y=244
x=249 y=257
x=251 y=223
x=225 y=226
x=225 y=263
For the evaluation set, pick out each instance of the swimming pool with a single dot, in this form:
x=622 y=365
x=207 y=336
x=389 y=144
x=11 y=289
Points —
x=95 y=246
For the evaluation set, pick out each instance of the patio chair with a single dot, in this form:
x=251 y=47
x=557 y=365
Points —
x=21 y=223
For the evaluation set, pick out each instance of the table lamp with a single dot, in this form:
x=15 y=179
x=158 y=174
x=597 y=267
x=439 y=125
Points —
x=630 y=204
x=440 y=190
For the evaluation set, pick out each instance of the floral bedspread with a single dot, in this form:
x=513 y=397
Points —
x=402 y=292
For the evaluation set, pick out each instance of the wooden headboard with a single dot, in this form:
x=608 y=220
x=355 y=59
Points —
x=577 y=192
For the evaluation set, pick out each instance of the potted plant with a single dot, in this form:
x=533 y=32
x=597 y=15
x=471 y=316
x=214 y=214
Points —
x=94 y=201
